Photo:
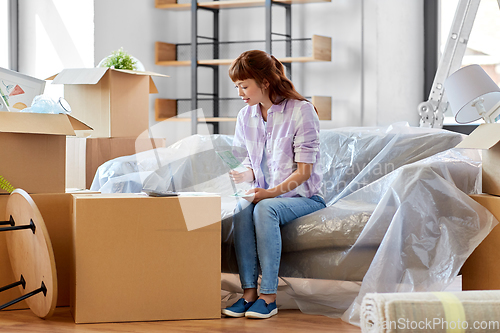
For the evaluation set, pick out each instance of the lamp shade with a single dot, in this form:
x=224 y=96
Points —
x=465 y=86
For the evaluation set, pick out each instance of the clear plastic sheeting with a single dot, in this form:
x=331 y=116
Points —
x=189 y=165
x=419 y=234
x=398 y=215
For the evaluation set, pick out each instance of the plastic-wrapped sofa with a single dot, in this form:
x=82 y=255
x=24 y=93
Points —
x=398 y=215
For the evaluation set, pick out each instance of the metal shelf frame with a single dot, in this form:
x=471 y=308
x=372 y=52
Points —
x=195 y=65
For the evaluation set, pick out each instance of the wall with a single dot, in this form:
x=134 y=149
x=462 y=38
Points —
x=393 y=63
x=375 y=78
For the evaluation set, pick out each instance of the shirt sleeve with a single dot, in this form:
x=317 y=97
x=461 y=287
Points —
x=306 y=140
x=240 y=150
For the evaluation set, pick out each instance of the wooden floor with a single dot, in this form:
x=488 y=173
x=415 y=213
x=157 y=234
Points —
x=286 y=321
x=289 y=321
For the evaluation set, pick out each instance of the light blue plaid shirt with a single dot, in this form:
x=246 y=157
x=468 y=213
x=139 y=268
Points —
x=290 y=135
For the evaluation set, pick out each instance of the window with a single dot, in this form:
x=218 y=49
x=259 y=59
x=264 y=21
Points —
x=4 y=33
x=483 y=47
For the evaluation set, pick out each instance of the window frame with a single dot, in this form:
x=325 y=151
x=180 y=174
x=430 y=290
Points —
x=431 y=44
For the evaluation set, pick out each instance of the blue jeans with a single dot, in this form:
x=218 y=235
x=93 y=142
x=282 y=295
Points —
x=257 y=236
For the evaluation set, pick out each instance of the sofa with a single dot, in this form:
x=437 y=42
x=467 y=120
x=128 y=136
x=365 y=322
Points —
x=398 y=215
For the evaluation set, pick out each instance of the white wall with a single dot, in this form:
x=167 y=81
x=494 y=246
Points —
x=375 y=77
x=393 y=61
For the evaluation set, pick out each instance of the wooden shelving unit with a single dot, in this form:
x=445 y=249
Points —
x=166 y=55
x=173 y=5
x=166 y=110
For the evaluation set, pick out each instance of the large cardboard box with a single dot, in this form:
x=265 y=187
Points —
x=33 y=149
x=85 y=155
x=140 y=258
x=487 y=137
x=55 y=210
x=481 y=271
x=115 y=103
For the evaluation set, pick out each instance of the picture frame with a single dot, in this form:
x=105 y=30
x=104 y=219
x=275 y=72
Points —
x=17 y=90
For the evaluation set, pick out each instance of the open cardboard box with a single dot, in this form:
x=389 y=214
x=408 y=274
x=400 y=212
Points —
x=33 y=149
x=487 y=138
x=114 y=102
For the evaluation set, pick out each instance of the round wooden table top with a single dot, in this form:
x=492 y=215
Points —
x=31 y=254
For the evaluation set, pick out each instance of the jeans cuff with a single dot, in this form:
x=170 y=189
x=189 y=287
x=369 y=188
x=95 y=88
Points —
x=268 y=291
x=248 y=286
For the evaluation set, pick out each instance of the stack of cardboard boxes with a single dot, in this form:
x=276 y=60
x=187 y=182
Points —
x=119 y=257
x=33 y=158
x=481 y=271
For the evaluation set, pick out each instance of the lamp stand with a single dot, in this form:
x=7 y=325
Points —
x=478 y=104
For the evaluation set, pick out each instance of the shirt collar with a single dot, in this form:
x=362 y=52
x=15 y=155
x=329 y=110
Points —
x=274 y=108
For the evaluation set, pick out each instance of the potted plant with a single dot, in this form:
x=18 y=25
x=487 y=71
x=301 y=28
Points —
x=120 y=59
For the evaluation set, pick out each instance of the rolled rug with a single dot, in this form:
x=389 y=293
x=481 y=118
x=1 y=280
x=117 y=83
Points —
x=457 y=312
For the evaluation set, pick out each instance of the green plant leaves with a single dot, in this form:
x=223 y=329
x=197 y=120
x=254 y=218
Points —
x=5 y=185
x=120 y=60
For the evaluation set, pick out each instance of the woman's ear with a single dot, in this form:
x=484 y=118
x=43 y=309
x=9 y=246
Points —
x=265 y=84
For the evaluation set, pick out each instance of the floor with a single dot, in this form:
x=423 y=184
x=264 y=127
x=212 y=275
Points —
x=289 y=321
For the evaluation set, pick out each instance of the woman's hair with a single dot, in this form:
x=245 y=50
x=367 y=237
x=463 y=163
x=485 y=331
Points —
x=261 y=67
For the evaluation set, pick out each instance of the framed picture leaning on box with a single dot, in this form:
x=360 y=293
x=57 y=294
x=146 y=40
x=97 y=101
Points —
x=18 y=90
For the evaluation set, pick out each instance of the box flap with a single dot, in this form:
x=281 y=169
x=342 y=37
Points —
x=78 y=125
x=140 y=72
x=35 y=123
x=152 y=86
x=80 y=75
x=484 y=136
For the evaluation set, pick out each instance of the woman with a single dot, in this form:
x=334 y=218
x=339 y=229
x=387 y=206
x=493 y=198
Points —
x=279 y=133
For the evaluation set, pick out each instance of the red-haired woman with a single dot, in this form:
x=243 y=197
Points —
x=279 y=133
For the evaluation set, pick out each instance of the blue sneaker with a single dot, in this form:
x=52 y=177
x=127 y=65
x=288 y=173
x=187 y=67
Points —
x=238 y=309
x=261 y=310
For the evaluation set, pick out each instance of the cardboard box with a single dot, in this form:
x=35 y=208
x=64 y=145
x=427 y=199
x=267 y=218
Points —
x=55 y=210
x=33 y=149
x=85 y=155
x=487 y=137
x=136 y=260
x=115 y=103
x=481 y=271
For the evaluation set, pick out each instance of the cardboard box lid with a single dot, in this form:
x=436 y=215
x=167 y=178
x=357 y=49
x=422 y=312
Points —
x=94 y=75
x=484 y=136
x=40 y=123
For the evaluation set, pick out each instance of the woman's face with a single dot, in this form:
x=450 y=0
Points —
x=250 y=92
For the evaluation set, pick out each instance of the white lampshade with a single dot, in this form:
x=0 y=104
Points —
x=466 y=85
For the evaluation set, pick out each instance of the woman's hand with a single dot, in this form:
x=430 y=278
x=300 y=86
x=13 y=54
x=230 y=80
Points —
x=240 y=177
x=259 y=194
